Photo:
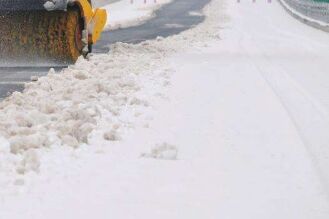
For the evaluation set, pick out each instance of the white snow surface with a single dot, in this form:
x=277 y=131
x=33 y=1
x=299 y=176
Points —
x=226 y=120
x=128 y=13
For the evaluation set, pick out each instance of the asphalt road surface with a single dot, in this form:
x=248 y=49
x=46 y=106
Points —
x=177 y=13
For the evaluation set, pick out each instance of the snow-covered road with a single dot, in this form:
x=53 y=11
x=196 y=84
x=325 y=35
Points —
x=252 y=111
x=227 y=120
x=292 y=59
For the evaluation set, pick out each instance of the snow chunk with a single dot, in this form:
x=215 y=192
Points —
x=163 y=151
x=174 y=25
x=51 y=71
x=30 y=162
x=195 y=14
x=70 y=141
x=34 y=78
x=52 y=5
x=21 y=143
x=49 y=6
x=112 y=135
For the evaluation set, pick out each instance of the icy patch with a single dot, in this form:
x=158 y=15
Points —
x=174 y=26
x=20 y=143
x=163 y=151
x=195 y=14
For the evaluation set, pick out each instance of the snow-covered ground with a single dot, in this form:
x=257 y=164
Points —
x=226 y=120
x=127 y=13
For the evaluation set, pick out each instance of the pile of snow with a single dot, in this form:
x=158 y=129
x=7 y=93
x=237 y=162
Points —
x=127 y=13
x=65 y=108
x=101 y=96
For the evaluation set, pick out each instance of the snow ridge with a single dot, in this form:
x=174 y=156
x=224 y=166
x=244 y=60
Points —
x=99 y=93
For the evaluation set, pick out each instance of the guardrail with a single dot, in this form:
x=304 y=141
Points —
x=313 y=12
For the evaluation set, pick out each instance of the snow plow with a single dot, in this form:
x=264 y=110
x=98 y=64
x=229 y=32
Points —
x=48 y=31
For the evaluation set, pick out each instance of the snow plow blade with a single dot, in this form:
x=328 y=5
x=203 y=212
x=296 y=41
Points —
x=47 y=32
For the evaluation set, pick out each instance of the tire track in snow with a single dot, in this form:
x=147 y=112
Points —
x=299 y=106
x=270 y=78
x=309 y=118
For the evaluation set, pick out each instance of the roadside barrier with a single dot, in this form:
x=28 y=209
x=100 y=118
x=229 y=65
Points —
x=312 y=12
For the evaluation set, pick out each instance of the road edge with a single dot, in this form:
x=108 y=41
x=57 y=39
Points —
x=304 y=19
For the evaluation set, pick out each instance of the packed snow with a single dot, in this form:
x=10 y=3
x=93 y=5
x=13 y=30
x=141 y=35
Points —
x=226 y=120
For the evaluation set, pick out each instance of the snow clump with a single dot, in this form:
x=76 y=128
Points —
x=163 y=151
x=52 y=5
